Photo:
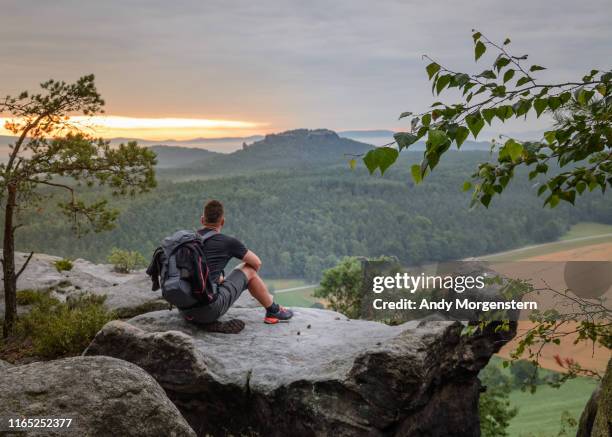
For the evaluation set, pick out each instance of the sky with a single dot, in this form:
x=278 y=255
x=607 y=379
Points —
x=214 y=68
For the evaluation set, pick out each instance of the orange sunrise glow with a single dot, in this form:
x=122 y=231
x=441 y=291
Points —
x=112 y=126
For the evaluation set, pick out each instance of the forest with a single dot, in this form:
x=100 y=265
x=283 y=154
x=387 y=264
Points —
x=302 y=220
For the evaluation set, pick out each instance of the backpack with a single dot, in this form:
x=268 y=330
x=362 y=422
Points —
x=185 y=279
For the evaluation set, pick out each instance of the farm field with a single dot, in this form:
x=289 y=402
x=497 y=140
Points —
x=577 y=244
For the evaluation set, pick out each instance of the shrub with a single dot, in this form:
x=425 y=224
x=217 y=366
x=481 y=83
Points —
x=31 y=297
x=63 y=265
x=494 y=404
x=124 y=261
x=58 y=329
x=341 y=286
x=525 y=374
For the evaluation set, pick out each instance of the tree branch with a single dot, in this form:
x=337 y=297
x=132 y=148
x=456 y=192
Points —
x=25 y=264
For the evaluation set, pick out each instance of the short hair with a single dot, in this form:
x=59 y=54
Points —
x=213 y=211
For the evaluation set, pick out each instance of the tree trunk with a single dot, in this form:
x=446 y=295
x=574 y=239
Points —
x=8 y=263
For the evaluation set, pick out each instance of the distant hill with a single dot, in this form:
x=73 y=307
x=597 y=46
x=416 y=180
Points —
x=175 y=156
x=292 y=149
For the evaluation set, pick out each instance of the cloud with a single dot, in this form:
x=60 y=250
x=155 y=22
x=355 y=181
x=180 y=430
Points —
x=343 y=64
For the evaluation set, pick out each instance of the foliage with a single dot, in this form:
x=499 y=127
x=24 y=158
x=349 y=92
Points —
x=30 y=297
x=585 y=319
x=342 y=287
x=494 y=405
x=124 y=261
x=58 y=329
x=63 y=265
x=580 y=140
x=524 y=373
x=52 y=151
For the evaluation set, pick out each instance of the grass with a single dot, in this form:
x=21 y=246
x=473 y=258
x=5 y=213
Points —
x=281 y=284
x=298 y=298
x=539 y=414
x=587 y=229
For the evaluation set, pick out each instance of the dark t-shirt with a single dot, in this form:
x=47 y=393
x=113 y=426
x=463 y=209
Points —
x=219 y=249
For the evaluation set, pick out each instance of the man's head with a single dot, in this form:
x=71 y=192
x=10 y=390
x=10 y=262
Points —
x=213 y=214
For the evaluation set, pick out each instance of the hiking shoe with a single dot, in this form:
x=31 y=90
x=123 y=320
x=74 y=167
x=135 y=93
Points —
x=282 y=315
x=233 y=326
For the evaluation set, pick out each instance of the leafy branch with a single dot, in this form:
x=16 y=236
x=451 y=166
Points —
x=508 y=89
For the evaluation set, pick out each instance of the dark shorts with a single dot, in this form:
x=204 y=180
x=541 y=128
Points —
x=228 y=292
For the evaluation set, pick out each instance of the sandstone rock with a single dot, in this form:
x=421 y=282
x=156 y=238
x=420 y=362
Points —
x=104 y=397
x=321 y=374
x=596 y=419
x=124 y=291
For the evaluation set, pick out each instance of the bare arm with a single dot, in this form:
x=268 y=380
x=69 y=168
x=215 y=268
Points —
x=252 y=260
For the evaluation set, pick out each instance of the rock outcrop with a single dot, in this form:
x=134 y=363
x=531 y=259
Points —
x=125 y=292
x=596 y=419
x=103 y=396
x=321 y=374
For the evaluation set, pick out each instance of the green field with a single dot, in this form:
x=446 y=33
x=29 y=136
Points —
x=281 y=284
x=298 y=298
x=586 y=229
x=539 y=414
x=579 y=235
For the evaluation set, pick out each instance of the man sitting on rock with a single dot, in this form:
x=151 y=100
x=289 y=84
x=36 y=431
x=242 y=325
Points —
x=219 y=250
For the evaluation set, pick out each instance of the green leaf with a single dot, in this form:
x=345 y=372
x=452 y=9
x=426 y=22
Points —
x=386 y=157
x=432 y=69
x=404 y=139
x=476 y=36
x=426 y=120
x=501 y=62
x=504 y=112
x=485 y=200
x=554 y=102
x=540 y=105
x=475 y=124
x=404 y=114
x=488 y=74
x=353 y=164
x=550 y=136
x=461 y=79
x=553 y=200
x=467 y=185
x=509 y=74
x=523 y=80
x=522 y=107
x=488 y=114
x=381 y=157
x=512 y=149
x=436 y=137
x=461 y=135
x=542 y=189
x=371 y=160
x=415 y=170
x=536 y=68
x=479 y=50
x=507 y=41
x=442 y=82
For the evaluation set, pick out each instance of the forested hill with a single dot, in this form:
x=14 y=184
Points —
x=301 y=221
x=292 y=149
x=175 y=156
